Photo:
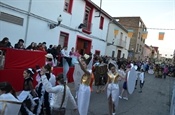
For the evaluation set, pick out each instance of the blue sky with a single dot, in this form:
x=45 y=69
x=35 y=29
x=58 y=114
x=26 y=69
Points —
x=154 y=13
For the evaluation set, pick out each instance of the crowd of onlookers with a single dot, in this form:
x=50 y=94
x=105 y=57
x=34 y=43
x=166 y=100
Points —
x=58 y=51
x=53 y=49
x=20 y=45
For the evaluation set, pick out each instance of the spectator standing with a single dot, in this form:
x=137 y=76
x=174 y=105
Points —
x=20 y=44
x=32 y=46
x=165 y=71
x=5 y=43
x=49 y=49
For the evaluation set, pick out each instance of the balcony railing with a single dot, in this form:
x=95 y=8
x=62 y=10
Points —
x=87 y=27
x=121 y=43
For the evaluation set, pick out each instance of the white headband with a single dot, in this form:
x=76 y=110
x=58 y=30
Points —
x=30 y=69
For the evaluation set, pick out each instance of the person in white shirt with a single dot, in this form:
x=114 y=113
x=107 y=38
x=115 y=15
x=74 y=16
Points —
x=8 y=95
x=57 y=91
x=141 y=77
x=64 y=52
x=66 y=55
x=44 y=96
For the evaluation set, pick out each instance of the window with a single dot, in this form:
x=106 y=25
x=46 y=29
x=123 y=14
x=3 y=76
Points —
x=121 y=36
x=139 y=36
x=87 y=18
x=140 y=49
x=140 y=24
x=63 y=40
x=113 y=53
x=68 y=6
x=137 y=47
x=101 y=22
x=125 y=38
x=87 y=15
x=97 y=52
x=11 y=18
x=123 y=55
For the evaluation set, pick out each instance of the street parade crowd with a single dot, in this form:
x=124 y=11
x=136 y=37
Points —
x=52 y=94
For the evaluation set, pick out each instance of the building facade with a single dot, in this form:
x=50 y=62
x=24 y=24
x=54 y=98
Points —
x=147 y=52
x=117 y=41
x=84 y=25
x=137 y=43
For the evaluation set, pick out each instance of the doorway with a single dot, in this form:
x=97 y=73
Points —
x=83 y=45
x=119 y=54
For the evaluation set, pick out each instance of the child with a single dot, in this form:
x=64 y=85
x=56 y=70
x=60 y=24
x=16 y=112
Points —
x=141 y=76
x=124 y=90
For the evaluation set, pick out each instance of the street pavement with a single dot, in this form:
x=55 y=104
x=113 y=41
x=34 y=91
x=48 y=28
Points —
x=154 y=100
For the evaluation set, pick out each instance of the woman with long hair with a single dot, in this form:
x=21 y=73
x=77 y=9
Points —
x=28 y=104
x=112 y=88
x=6 y=89
x=84 y=88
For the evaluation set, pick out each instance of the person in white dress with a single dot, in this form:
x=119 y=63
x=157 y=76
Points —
x=141 y=77
x=113 y=88
x=84 y=91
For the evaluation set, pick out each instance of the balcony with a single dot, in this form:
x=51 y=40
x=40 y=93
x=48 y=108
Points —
x=121 y=43
x=87 y=27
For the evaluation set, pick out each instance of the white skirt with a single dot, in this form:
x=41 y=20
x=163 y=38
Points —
x=113 y=90
x=83 y=99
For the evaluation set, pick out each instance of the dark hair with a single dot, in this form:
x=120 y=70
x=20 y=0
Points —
x=49 y=59
x=30 y=71
x=4 y=39
x=60 y=78
x=87 y=60
x=110 y=66
x=7 y=88
x=21 y=40
x=44 y=43
x=48 y=67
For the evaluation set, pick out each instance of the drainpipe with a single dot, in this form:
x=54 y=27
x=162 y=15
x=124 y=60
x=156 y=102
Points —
x=27 y=21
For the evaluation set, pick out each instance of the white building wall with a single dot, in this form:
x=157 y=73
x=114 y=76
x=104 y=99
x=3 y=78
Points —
x=12 y=31
x=101 y=33
x=21 y=4
x=43 y=13
x=111 y=38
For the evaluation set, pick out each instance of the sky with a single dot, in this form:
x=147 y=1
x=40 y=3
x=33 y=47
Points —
x=158 y=14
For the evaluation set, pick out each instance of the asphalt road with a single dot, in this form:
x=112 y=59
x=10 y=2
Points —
x=154 y=100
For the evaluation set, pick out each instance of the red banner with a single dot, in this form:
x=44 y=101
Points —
x=22 y=59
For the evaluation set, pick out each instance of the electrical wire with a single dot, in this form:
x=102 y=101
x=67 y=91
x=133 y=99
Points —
x=149 y=28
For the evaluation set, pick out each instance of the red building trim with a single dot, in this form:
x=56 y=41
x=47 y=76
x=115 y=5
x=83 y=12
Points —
x=70 y=6
x=101 y=23
x=88 y=30
x=85 y=39
x=66 y=39
x=97 y=52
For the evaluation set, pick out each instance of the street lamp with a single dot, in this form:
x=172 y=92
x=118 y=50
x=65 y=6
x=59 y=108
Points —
x=52 y=25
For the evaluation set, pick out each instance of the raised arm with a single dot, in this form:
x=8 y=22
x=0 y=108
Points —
x=83 y=68
x=48 y=85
